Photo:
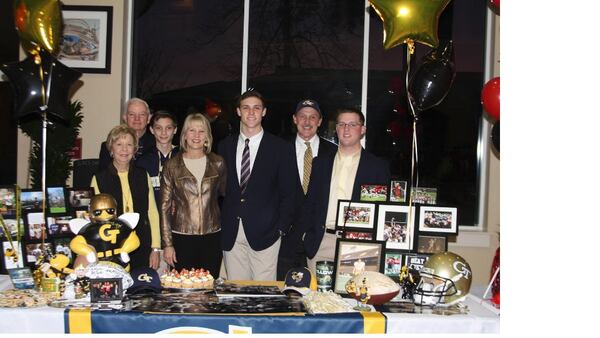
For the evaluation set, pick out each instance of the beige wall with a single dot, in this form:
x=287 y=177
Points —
x=101 y=96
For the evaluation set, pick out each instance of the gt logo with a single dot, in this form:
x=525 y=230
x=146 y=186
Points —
x=461 y=268
x=144 y=278
x=108 y=235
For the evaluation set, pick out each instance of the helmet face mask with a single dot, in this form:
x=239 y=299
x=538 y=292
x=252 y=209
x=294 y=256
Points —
x=445 y=280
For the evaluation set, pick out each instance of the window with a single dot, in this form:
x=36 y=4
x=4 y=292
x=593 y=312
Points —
x=189 y=56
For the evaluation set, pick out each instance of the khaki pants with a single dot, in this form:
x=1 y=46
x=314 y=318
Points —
x=326 y=252
x=243 y=263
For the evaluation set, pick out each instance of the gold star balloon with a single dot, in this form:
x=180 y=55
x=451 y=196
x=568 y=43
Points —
x=39 y=24
x=406 y=21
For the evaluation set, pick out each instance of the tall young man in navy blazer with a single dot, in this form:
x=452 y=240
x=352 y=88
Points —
x=254 y=219
x=335 y=177
x=307 y=119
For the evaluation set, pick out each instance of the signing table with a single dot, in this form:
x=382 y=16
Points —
x=481 y=318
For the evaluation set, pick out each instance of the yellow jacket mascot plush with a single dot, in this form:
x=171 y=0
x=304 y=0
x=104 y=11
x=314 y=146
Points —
x=106 y=237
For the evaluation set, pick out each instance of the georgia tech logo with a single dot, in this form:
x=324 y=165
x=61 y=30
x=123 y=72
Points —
x=145 y=278
x=107 y=234
x=297 y=276
x=461 y=268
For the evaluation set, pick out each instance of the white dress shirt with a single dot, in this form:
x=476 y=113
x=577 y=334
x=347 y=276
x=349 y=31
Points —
x=253 y=145
x=301 y=149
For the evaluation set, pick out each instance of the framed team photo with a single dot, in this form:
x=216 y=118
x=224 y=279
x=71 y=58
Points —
x=355 y=215
x=373 y=193
x=353 y=256
x=431 y=244
x=31 y=199
x=79 y=198
x=395 y=226
x=398 y=191
x=363 y=236
x=438 y=219
x=415 y=261
x=56 y=201
x=421 y=195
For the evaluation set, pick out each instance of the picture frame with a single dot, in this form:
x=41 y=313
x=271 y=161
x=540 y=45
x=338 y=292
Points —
x=373 y=192
x=350 y=251
x=395 y=226
x=62 y=246
x=398 y=191
x=34 y=250
x=392 y=264
x=79 y=198
x=83 y=214
x=55 y=200
x=421 y=195
x=8 y=199
x=12 y=227
x=415 y=261
x=438 y=219
x=31 y=199
x=58 y=225
x=106 y=290
x=34 y=220
x=355 y=215
x=86 y=43
x=431 y=244
x=14 y=259
x=22 y=278
x=360 y=235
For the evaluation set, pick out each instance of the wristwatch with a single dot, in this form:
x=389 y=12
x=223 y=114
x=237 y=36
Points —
x=156 y=250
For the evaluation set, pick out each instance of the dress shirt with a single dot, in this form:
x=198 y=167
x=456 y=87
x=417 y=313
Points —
x=342 y=183
x=253 y=145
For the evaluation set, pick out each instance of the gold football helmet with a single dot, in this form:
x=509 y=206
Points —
x=445 y=280
x=103 y=207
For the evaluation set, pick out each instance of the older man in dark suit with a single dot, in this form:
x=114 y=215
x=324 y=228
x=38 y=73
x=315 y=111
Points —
x=337 y=177
x=259 y=200
x=308 y=145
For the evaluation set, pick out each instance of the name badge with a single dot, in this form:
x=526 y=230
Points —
x=155 y=180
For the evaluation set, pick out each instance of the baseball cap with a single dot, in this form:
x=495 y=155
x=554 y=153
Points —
x=300 y=280
x=308 y=103
x=145 y=280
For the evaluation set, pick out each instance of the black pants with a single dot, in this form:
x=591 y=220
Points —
x=199 y=251
x=291 y=253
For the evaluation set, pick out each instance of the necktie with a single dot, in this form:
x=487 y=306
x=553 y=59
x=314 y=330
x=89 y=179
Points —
x=308 y=157
x=245 y=171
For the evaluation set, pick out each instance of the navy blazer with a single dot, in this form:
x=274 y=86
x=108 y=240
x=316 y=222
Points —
x=267 y=205
x=371 y=170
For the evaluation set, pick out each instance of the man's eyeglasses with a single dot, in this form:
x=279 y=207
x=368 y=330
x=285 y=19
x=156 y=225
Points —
x=351 y=125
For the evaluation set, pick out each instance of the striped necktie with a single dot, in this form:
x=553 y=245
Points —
x=308 y=157
x=245 y=171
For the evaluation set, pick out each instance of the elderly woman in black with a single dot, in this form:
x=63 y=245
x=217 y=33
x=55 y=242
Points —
x=190 y=185
x=132 y=189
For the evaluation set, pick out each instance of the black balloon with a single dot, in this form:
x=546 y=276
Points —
x=496 y=135
x=27 y=83
x=431 y=82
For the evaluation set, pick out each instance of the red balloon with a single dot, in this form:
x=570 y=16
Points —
x=490 y=98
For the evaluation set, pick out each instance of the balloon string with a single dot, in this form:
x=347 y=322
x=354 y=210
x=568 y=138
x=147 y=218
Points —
x=414 y=169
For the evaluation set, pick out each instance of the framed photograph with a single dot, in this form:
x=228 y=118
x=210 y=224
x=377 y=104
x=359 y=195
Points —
x=7 y=200
x=31 y=199
x=392 y=264
x=35 y=250
x=355 y=215
x=398 y=191
x=353 y=256
x=12 y=226
x=415 y=261
x=79 y=198
x=35 y=225
x=13 y=258
x=373 y=192
x=424 y=195
x=395 y=226
x=438 y=219
x=106 y=290
x=56 y=201
x=83 y=214
x=59 y=225
x=22 y=278
x=86 y=43
x=363 y=236
x=431 y=244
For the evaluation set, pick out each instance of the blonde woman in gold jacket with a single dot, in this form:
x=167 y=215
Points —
x=191 y=184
